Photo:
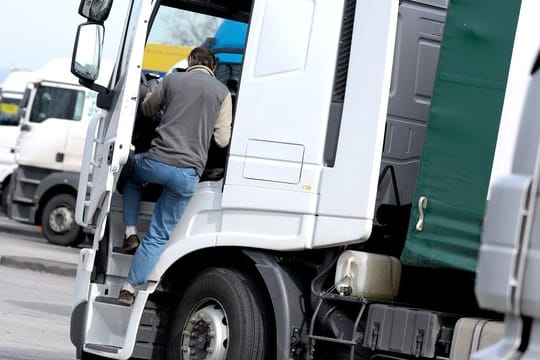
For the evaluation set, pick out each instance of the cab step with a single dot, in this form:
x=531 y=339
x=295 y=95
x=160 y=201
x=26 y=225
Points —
x=103 y=348
x=119 y=250
x=110 y=333
x=110 y=300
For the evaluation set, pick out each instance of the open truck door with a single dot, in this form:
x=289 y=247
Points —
x=109 y=135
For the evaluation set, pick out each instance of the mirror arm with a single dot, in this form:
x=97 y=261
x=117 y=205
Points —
x=93 y=86
x=105 y=95
x=104 y=100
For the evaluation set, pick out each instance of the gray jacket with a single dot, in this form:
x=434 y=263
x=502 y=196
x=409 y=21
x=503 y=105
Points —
x=196 y=106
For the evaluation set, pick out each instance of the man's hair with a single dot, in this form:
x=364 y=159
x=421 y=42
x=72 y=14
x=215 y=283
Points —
x=202 y=56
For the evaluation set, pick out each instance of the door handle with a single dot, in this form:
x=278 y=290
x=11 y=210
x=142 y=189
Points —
x=422 y=205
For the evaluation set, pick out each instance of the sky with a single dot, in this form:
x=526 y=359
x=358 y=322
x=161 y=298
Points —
x=32 y=32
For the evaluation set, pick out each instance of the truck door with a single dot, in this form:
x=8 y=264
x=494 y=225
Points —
x=108 y=138
x=46 y=125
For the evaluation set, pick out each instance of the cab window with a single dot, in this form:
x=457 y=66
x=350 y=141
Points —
x=58 y=103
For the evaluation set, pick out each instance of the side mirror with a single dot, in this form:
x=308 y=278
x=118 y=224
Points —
x=95 y=10
x=87 y=51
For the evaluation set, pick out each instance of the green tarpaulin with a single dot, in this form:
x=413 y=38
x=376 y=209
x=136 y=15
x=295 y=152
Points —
x=462 y=133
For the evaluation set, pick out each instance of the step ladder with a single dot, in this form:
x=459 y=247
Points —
x=356 y=338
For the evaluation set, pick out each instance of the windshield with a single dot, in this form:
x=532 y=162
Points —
x=175 y=32
x=9 y=111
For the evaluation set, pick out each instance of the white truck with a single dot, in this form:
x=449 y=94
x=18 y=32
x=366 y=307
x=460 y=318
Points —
x=11 y=95
x=346 y=225
x=54 y=119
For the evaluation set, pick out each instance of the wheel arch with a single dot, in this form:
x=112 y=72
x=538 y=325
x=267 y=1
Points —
x=286 y=298
x=281 y=297
x=5 y=181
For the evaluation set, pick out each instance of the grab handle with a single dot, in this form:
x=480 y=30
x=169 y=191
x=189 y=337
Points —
x=422 y=204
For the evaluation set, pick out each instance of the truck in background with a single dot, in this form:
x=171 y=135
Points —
x=346 y=225
x=11 y=95
x=54 y=119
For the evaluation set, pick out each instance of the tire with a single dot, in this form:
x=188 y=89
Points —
x=58 y=221
x=220 y=309
x=3 y=199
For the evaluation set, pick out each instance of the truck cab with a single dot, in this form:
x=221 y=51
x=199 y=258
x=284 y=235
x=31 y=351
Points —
x=11 y=96
x=53 y=127
x=348 y=221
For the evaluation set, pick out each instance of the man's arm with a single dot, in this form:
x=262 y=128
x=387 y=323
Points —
x=222 y=130
x=152 y=102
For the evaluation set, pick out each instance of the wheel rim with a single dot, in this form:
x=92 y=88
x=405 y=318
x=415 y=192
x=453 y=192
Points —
x=61 y=219
x=206 y=333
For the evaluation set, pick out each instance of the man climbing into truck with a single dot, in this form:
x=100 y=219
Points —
x=349 y=224
x=197 y=106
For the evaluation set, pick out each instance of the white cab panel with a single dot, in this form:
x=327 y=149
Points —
x=39 y=146
x=273 y=161
x=201 y=222
x=285 y=35
x=348 y=189
x=277 y=148
x=276 y=161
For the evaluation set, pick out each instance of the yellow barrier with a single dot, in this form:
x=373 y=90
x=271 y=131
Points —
x=160 y=57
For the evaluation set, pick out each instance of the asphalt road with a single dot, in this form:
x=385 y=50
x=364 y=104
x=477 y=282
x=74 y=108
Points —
x=35 y=304
x=23 y=246
x=35 y=309
x=10 y=227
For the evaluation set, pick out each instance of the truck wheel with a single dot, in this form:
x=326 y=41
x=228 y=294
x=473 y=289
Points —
x=219 y=317
x=3 y=199
x=58 y=221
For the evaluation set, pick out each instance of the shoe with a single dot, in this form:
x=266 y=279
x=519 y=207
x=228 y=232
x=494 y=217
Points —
x=126 y=298
x=130 y=245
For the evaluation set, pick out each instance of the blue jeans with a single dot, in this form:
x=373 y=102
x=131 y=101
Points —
x=179 y=184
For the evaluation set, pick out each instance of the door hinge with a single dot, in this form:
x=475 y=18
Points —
x=110 y=154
